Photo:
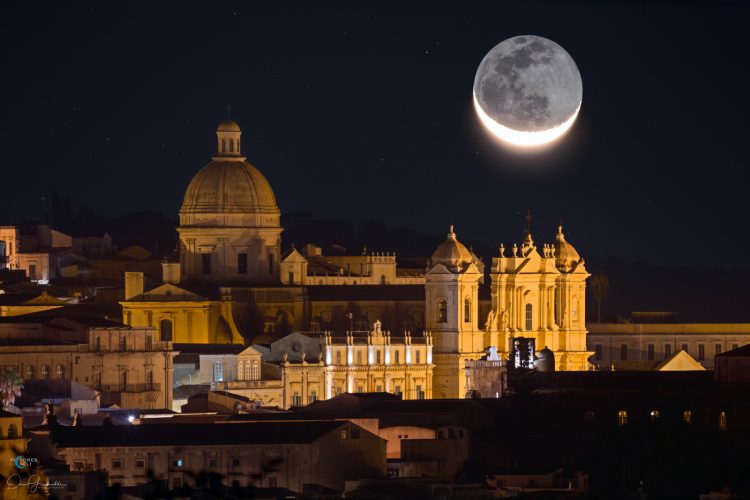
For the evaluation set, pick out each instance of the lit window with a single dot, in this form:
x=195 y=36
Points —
x=687 y=416
x=655 y=414
x=723 y=421
x=622 y=417
x=60 y=371
x=218 y=371
x=44 y=372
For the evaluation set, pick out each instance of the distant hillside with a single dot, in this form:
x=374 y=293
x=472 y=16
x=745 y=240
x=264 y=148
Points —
x=696 y=295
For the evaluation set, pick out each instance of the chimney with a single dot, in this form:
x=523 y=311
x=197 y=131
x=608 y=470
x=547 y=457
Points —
x=133 y=284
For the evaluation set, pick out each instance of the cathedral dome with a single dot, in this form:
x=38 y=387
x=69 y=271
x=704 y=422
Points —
x=229 y=191
x=566 y=255
x=451 y=253
x=229 y=126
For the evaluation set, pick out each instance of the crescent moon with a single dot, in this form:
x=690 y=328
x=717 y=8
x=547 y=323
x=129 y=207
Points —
x=19 y=465
x=522 y=137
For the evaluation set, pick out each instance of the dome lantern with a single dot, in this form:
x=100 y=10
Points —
x=228 y=139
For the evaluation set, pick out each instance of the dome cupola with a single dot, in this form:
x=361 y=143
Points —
x=229 y=192
x=228 y=139
x=452 y=254
x=567 y=257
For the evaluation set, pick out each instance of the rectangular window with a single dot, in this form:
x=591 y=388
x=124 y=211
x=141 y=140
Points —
x=667 y=350
x=291 y=277
x=313 y=396
x=177 y=482
x=377 y=356
x=598 y=352
x=32 y=272
x=378 y=388
x=235 y=462
x=140 y=463
x=241 y=263
x=116 y=463
x=212 y=462
x=338 y=357
x=395 y=357
x=177 y=463
x=717 y=349
x=359 y=388
x=272 y=482
x=418 y=353
x=123 y=344
x=206 y=263
x=420 y=392
x=149 y=343
x=149 y=379
x=650 y=354
x=296 y=399
x=397 y=390
x=359 y=357
x=624 y=352
x=685 y=348
x=701 y=352
x=529 y=317
x=271 y=263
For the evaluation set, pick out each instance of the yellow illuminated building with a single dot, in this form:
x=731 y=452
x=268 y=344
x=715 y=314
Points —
x=234 y=285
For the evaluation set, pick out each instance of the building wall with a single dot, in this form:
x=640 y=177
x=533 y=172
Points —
x=349 y=451
x=645 y=344
x=100 y=364
x=8 y=247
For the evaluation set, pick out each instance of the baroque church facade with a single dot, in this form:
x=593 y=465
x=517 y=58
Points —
x=235 y=284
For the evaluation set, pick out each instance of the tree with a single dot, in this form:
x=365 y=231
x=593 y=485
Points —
x=11 y=384
x=599 y=287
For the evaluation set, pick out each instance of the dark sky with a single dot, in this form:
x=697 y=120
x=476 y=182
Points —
x=364 y=112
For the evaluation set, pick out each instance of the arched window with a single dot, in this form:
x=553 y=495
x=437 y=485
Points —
x=529 y=317
x=218 y=371
x=165 y=330
x=256 y=370
x=231 y=146
x=29 y=372
x=44 y=372
x=60 y=371
x=442 y=312
x=223 y=146
x=622 y=417
x=12 y=431
x=723 y=421
x=241 y=371
x=467 y=310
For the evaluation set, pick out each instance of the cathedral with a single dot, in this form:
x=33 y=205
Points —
x=235 y=284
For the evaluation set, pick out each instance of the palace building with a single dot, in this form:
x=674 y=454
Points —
x=235 y=284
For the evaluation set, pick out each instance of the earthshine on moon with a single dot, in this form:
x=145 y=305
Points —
x=527 y=91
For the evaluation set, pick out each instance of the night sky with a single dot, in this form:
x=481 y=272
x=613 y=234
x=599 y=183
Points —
x=363 y=112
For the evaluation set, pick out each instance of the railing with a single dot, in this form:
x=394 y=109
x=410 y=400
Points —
x=130 y=387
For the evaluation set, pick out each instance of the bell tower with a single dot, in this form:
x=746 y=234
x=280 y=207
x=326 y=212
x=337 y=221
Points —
x=451 y=307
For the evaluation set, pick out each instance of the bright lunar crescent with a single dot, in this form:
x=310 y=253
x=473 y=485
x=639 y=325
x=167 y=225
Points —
x=528 y=91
